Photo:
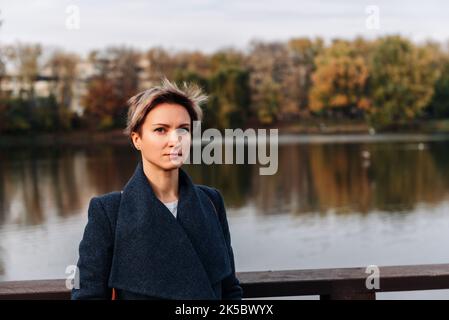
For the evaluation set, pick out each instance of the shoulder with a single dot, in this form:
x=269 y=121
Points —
x=210 y=191
x=107 y=205
x=108 y=201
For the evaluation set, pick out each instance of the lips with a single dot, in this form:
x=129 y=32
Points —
x=176 y=152
x=173 y=154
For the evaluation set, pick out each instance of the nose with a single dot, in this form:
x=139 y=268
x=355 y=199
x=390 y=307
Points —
x=174 y=139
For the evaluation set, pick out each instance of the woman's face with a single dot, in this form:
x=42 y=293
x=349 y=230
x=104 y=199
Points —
x=165 y=136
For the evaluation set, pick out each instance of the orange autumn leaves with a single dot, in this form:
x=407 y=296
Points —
x=389 y=79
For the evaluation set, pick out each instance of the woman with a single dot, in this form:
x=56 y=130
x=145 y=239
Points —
x=162 y=237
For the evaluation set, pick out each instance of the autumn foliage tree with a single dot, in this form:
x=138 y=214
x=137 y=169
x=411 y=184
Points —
x=340 y=81
x=302 y=53
x=115 y=81
x=386 y=81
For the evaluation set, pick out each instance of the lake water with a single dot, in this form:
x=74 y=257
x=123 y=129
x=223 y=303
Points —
x=336 y=201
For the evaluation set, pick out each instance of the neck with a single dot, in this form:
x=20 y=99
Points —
x=164 y=183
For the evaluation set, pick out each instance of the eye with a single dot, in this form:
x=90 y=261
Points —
x=160 y=130
x=182 y=131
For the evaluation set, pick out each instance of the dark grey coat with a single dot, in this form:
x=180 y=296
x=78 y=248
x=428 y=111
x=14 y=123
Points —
x=134 y=244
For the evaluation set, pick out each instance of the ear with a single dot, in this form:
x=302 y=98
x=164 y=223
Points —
x=135 y=138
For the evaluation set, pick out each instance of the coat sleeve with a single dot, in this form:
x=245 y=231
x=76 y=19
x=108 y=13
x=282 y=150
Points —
x=231 y=289
x=95 y=255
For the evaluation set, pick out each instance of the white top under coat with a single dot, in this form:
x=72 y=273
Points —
x=172 y=206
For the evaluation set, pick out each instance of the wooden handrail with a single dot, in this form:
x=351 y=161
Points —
x=341 y=283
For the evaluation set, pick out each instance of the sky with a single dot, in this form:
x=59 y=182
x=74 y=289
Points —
x=209 y=25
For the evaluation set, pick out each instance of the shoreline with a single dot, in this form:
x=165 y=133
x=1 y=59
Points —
x=316 y=131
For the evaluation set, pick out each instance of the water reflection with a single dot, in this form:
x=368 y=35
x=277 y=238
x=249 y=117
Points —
x=44 y=193
x=353 y=178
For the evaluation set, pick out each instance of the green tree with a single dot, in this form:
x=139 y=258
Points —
x=439 y=105
x=225 y=80
x=15 y=115
x=229 y=88
x=401 y=82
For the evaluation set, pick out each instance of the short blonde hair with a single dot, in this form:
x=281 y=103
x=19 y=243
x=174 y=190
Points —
x=190 y=97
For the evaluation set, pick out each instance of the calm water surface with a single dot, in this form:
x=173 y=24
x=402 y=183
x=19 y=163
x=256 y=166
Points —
x=340 y=201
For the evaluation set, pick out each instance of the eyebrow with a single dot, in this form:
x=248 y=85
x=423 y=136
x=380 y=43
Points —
x=167 y=125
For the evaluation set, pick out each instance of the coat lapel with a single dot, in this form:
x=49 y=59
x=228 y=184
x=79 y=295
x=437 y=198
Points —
x=159 y=255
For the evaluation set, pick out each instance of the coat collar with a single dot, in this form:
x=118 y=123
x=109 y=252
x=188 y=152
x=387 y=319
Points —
x=159 y=255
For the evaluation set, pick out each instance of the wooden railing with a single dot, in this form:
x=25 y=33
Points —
x=343 y=283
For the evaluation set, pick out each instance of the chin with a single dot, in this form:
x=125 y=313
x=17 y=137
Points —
x=171 y=166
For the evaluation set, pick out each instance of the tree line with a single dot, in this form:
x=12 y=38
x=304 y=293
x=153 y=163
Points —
x=386 y=81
